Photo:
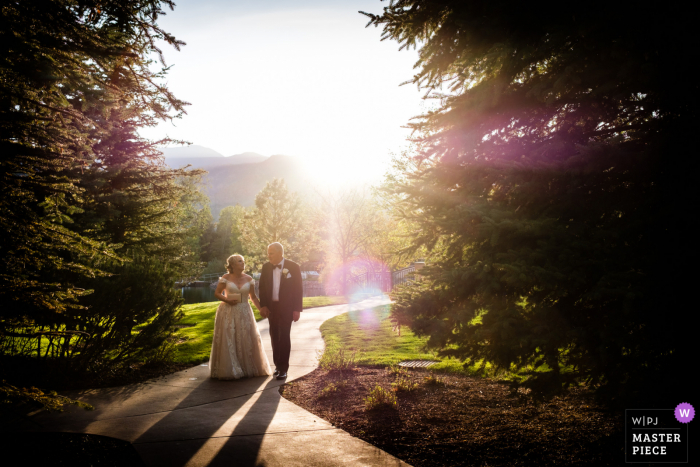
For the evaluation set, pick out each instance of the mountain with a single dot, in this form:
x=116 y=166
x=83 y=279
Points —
x=238 y=178
x=246 y=158
x=238 y=184
x=189 y=152
x=205 y=158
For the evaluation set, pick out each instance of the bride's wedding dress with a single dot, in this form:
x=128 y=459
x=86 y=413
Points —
x=237 y=350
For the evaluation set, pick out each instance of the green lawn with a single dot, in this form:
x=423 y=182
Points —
x=198 y=327
x=369 y=332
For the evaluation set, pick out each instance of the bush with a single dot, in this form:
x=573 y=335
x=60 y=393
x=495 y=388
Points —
x=433 y=380
x=332 y=388
x=403 y=384
x=380 y=398
x=335 y=357
x=397 y=370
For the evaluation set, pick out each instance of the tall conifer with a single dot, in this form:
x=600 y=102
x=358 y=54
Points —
x=80 y=192
x=549 y=184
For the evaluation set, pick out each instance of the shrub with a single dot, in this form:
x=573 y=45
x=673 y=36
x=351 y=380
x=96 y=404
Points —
x=380 y=398
x=336 y=358
x=403 y=384
x=433 y=380
x=397 y=370
x=332 y=388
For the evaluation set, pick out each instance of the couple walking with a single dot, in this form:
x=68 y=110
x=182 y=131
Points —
x=237 y=350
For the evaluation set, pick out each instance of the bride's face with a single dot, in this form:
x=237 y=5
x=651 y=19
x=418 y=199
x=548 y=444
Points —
x=238 y=264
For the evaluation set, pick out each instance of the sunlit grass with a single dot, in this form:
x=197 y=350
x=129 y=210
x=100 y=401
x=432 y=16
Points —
x=369 y=332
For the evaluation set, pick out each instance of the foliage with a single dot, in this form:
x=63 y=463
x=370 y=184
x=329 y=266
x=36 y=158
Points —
x=403 y=384
x=138 y=292
x=332 y=387
x=380 y=398
x=361 y=236
x=336 y=358
x=97 y=227
x=433 y=380
x=347 y=218
x=547 y=184
x=14 y=400
x=223 y=239
x=397 y=370
x=278 y=216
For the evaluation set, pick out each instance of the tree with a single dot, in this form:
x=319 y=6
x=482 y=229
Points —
x=278 y=216
x=547 y=185
x=361 y=236
x=223 y=239
x=81 y=195
x=348 y=224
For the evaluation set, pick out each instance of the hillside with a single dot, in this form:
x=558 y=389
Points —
x=228 y=185
x=205 y=158
x=189 y=152
x=231 y=181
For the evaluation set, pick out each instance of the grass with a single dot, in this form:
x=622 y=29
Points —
x=369 y=333
x=196 y=333
x=336 y=358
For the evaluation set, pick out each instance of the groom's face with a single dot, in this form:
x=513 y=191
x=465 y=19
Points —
x=274 y=255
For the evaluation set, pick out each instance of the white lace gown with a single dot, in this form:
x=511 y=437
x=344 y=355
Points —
x=237 y=350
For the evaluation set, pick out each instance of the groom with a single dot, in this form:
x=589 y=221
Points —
x=281 y=294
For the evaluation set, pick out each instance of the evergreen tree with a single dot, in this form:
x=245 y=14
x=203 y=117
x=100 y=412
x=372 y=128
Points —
x=549 y=184
x=82 y=197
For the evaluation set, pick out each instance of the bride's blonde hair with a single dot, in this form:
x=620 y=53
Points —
x=229 y=260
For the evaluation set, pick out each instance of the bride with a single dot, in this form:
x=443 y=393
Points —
x=236 y=350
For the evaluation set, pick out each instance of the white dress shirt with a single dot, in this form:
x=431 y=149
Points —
x=276 y=277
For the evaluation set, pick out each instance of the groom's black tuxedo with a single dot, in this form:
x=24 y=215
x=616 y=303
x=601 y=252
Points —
x=291 y=290
x=291 y=294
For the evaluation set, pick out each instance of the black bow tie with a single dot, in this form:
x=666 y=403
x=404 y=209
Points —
x=278 y=266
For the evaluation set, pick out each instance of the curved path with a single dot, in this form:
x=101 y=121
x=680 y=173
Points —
x=187 y=419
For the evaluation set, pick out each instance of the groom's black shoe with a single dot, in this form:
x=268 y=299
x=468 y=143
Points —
x=276 y=373
x=282 y=375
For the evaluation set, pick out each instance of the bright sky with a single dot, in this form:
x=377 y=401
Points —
x=302 y=78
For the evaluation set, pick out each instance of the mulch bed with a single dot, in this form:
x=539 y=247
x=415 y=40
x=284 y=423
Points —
x=465 y=421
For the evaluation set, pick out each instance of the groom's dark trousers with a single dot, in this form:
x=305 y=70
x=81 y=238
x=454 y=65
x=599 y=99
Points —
x=280 y=330
x=282 y=311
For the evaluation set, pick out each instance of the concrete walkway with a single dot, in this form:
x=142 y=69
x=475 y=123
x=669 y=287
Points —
x=187 y=419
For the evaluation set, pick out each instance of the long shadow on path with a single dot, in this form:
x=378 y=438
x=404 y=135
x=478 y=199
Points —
x=195 y=435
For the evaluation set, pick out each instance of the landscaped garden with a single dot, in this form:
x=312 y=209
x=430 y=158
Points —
x=445 y=415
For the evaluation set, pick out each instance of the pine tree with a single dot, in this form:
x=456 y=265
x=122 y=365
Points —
x=544 y=184
x=81 y=195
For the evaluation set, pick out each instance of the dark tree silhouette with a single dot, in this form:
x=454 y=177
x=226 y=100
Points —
x=83 y=199
x=551 y=184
